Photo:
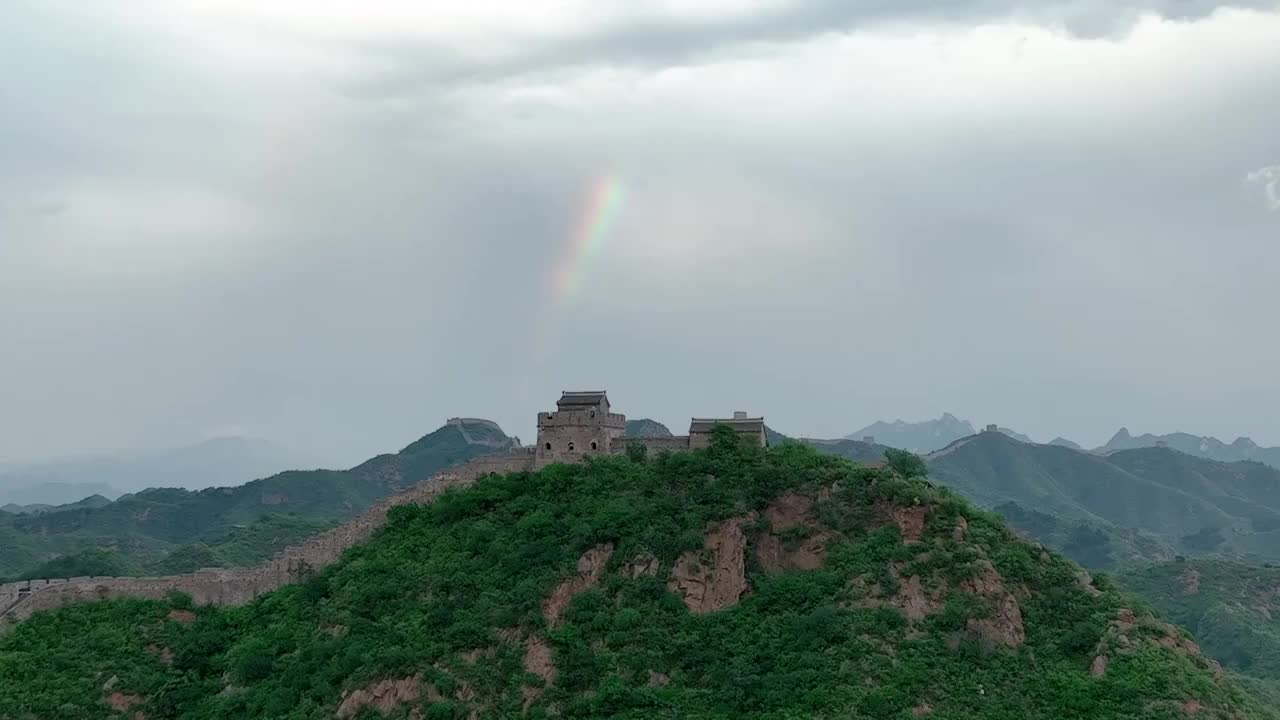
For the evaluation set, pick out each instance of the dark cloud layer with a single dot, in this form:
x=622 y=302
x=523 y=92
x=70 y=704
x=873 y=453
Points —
x=834 y=212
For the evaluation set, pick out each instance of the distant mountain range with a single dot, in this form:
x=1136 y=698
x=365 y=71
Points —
x=924 y=436
x=1201 y=446
x=1148 y=503
x=214 y=462
x=146 y=526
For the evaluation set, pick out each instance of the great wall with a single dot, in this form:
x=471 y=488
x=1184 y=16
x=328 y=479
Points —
x=582 y=426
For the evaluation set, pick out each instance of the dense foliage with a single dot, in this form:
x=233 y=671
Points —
x=450 y=597
x=1232 y=608
x=145 y=527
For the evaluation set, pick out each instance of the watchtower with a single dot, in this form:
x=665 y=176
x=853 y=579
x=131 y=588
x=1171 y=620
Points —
x=581 y=425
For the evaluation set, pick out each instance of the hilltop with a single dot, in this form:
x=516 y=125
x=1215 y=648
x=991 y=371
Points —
x=1144 y=503
x=145 y=527
x=731 y=581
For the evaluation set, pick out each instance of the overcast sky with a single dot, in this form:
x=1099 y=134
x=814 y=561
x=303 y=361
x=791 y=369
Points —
x=335 y=224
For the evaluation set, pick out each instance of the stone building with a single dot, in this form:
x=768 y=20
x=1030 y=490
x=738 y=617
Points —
x=581 y=425
x=746 y=427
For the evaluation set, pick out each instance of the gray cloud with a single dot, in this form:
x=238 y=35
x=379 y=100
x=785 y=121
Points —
x=834 y=213
x=1266 y=181
x=665 y=41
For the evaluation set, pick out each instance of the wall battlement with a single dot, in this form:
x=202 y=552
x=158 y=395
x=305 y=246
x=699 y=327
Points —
x=570 y=431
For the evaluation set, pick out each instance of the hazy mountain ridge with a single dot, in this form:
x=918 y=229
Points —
x=215 y=462
x=727 y=582
x=924 y=436
x=144 y=526
x=1242 y=448
x=1158 y=497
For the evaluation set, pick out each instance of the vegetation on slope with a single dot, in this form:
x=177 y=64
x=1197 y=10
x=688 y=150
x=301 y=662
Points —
x=731 y=582
x=1150 y=503
x=1232 y=608
x=145 y=527
x=244 y=546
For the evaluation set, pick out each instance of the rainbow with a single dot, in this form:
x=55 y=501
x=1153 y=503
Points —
x=599 y=213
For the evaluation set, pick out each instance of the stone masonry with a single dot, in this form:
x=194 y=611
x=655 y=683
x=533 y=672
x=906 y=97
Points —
x=581 y=426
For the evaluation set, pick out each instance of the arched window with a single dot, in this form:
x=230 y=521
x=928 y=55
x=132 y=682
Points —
x=593 y=413
x=593 y=445
x=547 y=446
x=570 y=447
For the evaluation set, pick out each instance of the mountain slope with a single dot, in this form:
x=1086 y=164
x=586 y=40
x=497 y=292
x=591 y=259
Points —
x=726 y=583
x=1187 y=504
x=644 y=427
x=144 y=526
x=1232 y=608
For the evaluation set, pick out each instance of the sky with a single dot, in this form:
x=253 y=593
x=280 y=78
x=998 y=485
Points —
x=335 y=224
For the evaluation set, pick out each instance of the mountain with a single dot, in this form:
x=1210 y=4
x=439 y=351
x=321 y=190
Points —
x=729 y=582
x=1063 y=442
x=1206 y=447
x=47 y=495
x=1163 y=501
x=145 y=526
x=93 y=501
x=1232 y=608
x=214 y=462
x=918 y=437
x=645 y=427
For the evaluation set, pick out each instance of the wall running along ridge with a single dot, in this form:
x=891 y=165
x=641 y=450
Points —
x=236 y=586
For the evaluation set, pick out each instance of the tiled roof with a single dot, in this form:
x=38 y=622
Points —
x=580 y=398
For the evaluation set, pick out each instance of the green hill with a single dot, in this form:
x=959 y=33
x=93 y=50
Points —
x=144 y=527
x=1148 y=503
x=731 y=582
x=1232 y=608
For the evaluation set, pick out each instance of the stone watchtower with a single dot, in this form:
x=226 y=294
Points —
x=580 y=426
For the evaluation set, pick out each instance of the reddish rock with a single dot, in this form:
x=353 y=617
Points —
x=383 y=696
x=590 y=567
x=717 y=582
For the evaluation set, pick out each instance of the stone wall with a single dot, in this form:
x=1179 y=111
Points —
x=567 y=435
x=674 y=443
x=236 y=586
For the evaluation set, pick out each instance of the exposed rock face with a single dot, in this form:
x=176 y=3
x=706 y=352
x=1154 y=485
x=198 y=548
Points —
x=1004 y=627
x=1099 y=666
x=1129 y=633
x=537 y=660
x=590 y=567
x=714 y=579
x=910 y=520
x=121 y=702
x=1191 y=582
x=383 y=696
x=912 y=601
x=642 y=565
x=186 y=617
x=961 y=528
x=788 y=511
x=657 y=679
x=1086 y=583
